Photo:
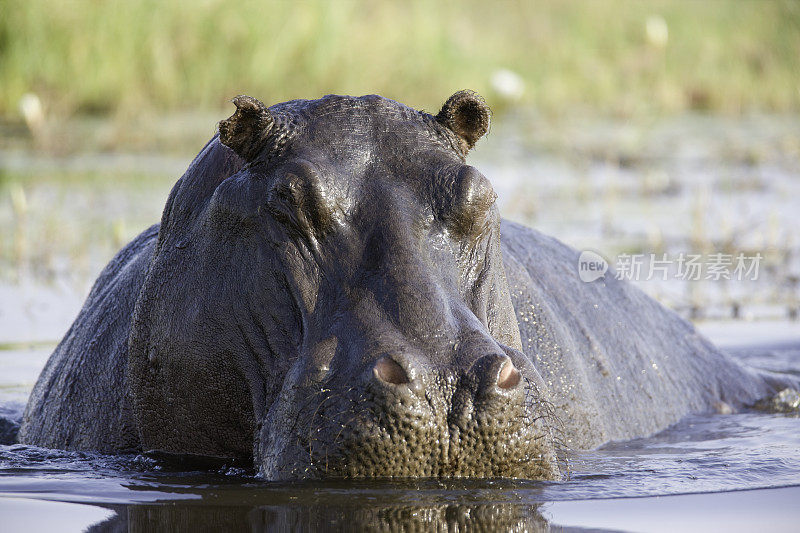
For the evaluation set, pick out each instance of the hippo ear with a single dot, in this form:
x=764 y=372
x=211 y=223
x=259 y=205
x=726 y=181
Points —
x=246 y=131
x=467 y=115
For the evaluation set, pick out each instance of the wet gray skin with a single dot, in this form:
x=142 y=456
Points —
x=331 y=293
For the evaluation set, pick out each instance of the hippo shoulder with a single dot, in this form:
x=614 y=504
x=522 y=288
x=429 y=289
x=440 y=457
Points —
x=618 y=363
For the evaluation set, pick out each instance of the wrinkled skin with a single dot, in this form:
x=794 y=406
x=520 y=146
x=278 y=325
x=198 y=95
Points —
x=331 y=293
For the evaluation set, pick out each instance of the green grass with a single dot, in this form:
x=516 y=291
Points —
x=127 y=58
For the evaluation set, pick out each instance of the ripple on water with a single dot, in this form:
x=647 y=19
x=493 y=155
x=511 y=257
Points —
x=699 y=454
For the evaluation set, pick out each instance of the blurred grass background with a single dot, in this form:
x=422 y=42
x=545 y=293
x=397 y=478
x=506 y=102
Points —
x=613 y=56
x=649 y=125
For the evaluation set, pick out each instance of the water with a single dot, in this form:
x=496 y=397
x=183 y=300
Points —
x=740 y=471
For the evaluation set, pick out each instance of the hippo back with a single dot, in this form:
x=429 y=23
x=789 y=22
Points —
x=618 y=364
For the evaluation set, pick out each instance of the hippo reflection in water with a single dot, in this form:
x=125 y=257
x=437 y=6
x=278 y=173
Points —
x=332 y=293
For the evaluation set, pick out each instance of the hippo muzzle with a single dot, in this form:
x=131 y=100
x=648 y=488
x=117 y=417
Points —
x=484 y=422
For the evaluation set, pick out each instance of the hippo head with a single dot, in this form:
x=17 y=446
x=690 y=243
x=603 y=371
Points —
x=328 y=298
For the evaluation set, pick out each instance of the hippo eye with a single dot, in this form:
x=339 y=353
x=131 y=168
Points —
x=472 y=199
x=297 y=199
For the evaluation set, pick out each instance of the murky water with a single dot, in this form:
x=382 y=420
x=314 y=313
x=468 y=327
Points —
x=740 y=470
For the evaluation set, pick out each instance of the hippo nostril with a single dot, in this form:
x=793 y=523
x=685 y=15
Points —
x=509 y=376
x=387 y=370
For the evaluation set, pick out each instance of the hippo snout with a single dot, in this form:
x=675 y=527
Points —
x=406 y=418
x=493 y=370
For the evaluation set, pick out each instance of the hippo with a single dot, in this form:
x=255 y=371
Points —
x=331 y=293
